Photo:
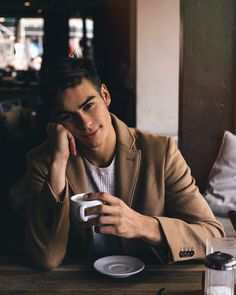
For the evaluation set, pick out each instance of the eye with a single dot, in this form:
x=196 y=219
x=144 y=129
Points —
x=88 y=106
x=65 y=118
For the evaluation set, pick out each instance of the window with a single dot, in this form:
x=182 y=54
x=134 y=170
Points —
x=80 y=36
x=21 y=43
x=21 y=49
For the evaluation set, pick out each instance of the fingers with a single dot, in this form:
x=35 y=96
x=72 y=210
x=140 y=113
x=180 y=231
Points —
x=107 y=230
x=103 y=220
x=61 y=139
x=101 y=210
x=54 y=130
x=72 y=144
x=50 y=127
x=103 y=196
x=106 y=215
x=115 y=217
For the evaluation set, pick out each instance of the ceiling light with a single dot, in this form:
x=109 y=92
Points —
x=26 y=3
x=39 y=10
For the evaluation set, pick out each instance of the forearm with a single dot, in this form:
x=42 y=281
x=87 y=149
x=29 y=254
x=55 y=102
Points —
x=48 y=228
x=57 y=175
x=150 y=231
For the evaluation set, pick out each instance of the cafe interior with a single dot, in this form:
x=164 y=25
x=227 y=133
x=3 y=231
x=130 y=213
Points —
x=169 y=66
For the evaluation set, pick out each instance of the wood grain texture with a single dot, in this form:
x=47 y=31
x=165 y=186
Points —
x=207 y=81
x=80 y=278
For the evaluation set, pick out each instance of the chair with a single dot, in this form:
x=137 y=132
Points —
x=232 y=217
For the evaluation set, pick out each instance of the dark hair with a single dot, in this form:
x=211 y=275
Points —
x=64 y=73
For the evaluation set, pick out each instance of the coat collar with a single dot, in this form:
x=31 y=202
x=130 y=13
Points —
x=124 y=134
x=128 y=159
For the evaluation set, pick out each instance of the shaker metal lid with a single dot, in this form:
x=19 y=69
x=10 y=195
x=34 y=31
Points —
x=220 y=261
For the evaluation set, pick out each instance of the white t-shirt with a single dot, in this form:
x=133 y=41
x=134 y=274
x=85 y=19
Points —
x=102 y=180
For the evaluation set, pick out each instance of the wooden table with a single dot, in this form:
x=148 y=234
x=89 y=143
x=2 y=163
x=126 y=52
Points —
x=79 y=277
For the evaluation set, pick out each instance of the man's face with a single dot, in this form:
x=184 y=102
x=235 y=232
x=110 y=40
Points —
x=83 y=111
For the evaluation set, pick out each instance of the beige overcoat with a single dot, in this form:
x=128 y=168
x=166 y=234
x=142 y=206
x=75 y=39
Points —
x=152 y=178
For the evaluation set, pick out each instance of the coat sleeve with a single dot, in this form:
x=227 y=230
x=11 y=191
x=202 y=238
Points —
x=188 y=220
x=48 y=218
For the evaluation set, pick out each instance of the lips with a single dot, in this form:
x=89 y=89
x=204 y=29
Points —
x=90 y=135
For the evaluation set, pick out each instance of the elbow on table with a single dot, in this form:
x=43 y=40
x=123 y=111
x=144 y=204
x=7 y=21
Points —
x=46 y=262
x=220 y=233
x=48 y=265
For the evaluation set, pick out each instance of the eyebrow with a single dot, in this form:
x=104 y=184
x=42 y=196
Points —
x=80 y=106
x=86 y=101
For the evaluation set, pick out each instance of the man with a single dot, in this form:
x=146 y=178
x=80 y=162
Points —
x=150 y=201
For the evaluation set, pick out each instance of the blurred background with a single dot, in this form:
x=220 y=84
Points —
x=169 y=66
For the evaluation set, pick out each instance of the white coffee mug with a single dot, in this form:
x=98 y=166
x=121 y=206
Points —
x=78 y=206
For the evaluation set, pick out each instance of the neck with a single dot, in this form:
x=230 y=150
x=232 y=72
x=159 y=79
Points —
x=103 y=155
x=100 y=161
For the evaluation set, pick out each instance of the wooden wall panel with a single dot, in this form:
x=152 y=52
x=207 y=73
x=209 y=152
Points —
x=207 y=99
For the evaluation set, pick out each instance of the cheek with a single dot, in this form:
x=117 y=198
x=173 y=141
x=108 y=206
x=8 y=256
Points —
x=104 y=115
x=70 y=126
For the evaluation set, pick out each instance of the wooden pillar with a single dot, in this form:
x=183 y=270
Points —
x=56 y=34
x=114 y=53
x=207 y=99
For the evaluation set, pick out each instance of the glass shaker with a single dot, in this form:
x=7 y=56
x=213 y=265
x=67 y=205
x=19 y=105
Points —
x=219 y=275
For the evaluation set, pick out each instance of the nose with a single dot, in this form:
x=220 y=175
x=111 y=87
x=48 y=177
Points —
x=84 y=121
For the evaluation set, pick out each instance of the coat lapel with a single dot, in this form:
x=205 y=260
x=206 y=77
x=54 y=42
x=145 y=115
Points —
x=128 y=163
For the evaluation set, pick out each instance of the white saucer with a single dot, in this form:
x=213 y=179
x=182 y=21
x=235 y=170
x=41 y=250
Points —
x=119 y=266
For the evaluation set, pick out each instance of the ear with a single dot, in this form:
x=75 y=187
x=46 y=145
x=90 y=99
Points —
x=105 y=95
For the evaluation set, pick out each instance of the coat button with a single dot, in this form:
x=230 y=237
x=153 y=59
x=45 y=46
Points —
x=181 y=253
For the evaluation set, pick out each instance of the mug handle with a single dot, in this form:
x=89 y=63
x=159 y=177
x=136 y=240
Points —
x=81 y=214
